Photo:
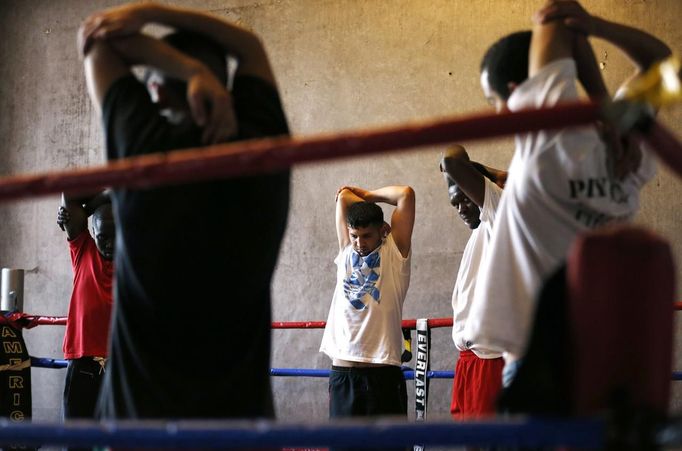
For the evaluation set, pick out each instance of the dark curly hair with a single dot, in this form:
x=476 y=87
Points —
x=507 y=61
x=364 y=214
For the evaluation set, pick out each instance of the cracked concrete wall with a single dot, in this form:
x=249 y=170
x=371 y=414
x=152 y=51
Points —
x=340 y=64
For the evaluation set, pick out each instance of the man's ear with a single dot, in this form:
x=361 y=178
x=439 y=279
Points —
x=385 y=229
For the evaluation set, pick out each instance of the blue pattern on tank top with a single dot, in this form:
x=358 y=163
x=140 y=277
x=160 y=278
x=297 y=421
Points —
x=362 y=279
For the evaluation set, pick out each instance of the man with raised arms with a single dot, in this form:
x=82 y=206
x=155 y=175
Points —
x=363 y=336
x=194 y=261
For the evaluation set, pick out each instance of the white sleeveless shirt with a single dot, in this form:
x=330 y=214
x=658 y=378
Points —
x=560 y=185
x=364 y=323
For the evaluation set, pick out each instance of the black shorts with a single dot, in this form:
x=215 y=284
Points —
x=372 y=391
x=81 y=388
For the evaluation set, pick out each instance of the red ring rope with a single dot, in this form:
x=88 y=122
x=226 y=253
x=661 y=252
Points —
x=267 y=155
x=24 y=320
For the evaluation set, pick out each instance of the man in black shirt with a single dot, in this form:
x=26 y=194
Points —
x=194 y=262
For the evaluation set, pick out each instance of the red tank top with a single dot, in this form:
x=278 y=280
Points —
x=87 y=330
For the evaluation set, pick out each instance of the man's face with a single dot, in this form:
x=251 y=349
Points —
x=468 y=211
x=365 y=239
x=492 y=97
x=104 y=232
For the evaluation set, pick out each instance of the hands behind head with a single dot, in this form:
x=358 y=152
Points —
x=570 y=12
x=115 y=22
x=211 y=106
x=209 y=102
x=360 y=192
x=63 y=217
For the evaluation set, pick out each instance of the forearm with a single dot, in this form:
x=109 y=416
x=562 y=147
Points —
x=139 y=49
x=589 y=73
x=96 y=201
x=75 y=220
x=550 y=42
x=71 y=201
x=234 y=39
x=642 y=48
x=391 y=195
x=345 y=197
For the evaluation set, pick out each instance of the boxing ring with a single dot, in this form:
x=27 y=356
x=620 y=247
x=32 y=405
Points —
x=582 y=433
x=252 y=157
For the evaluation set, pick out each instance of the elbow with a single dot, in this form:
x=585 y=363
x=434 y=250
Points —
x=454 y=155
x=344 y=195
x=408 y=194
x=455 y=152
x=453 y=159
x=250 y=48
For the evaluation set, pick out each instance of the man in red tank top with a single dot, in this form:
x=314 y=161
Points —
x=87 y=330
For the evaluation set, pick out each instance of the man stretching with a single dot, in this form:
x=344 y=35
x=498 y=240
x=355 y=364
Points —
x=363 y=336
x=561 y=182
x=87 y=329
x=200 y=250
x=475 y=192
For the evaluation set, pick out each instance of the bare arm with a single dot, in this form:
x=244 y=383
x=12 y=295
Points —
x=588 y=70
x=456 y=165
x=402 y=220
x=642 y=48
x=237 y=41
x=209 y=102
x=72 y=216
x=102 y=68
x=345 y=197
x=94 y=202
x=551 y=41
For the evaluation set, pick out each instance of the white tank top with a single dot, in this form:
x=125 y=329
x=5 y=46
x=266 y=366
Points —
x=364 y=323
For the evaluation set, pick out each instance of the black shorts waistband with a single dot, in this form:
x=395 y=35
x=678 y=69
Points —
x=366 y=369
x=88 y=359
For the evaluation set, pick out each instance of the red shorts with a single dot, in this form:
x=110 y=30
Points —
x=476 y=385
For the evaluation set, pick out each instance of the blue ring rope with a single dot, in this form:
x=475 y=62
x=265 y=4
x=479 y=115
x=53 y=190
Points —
x=532 y=432
x=305 y=372
x=41 y=362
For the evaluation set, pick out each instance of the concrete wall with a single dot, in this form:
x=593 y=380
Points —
x=340 y=64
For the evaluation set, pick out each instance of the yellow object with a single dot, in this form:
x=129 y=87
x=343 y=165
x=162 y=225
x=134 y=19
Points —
x=658 y=86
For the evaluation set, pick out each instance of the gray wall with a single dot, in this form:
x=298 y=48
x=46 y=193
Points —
x=340 y=64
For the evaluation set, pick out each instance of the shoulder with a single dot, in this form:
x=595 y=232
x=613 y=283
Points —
x=82 y=248
x=554 y=83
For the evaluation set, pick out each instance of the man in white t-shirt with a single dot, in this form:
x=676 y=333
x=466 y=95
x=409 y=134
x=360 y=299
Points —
x=561 y=182
x=474 y=190
x=363 y=336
